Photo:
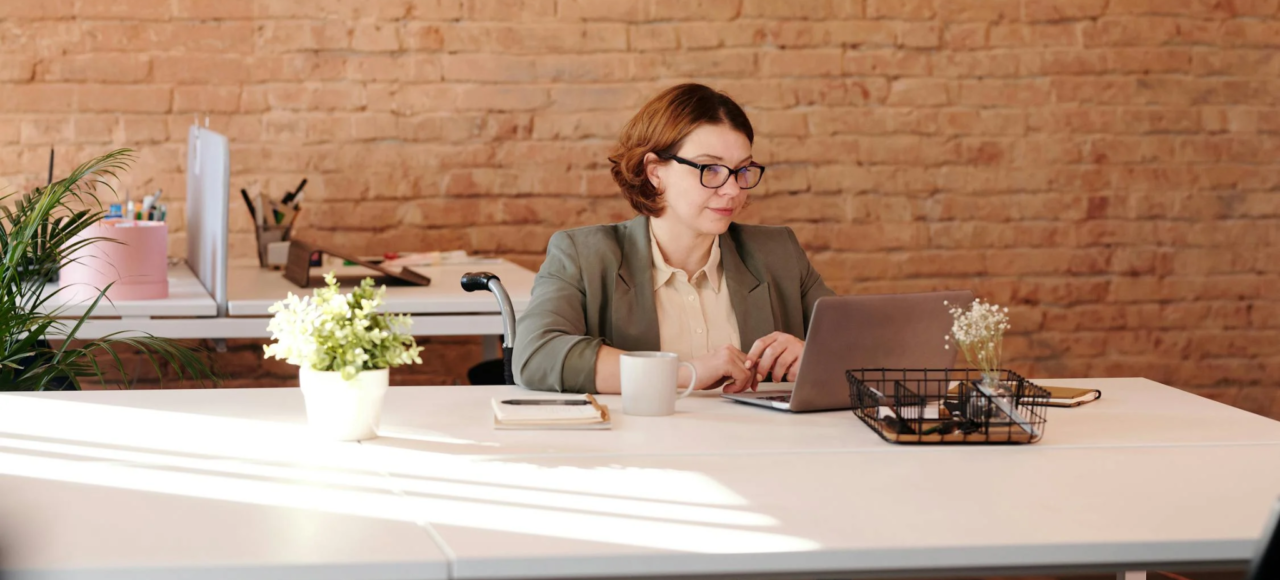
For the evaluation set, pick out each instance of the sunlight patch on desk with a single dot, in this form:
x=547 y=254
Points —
x=503 y=495
x=291 y=443
x=683 y=537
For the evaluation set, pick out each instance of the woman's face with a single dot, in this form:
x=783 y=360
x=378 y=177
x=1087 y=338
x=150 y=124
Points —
x=702 y=209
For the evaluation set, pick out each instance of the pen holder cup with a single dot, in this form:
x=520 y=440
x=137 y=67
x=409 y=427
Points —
x=266 y=236
x=133 y=259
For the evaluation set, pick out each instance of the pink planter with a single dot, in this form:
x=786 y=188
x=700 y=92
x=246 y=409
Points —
x=138 y=266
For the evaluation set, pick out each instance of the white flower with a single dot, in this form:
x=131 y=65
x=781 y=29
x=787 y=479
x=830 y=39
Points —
x=331 y=331
x=979 y=333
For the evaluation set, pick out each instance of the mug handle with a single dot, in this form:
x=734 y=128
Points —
x=693 y=380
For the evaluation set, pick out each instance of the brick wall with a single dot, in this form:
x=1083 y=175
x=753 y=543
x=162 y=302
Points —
x=1108 y=168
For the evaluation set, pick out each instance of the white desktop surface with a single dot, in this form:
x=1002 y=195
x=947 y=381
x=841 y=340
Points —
x=1131 y=412
x=94 y=489
x=1146 y=475
x=187 y=299
x=252 y=290
x=974 y=509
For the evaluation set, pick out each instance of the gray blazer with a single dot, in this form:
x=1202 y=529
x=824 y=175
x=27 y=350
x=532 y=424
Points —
x=596 y=287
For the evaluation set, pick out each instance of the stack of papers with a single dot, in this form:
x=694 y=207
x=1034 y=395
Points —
x=549 y=412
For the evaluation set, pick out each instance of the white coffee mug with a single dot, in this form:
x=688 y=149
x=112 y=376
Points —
x=649 y=382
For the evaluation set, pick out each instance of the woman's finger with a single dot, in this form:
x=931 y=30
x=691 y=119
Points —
x=768 y=359
x=762 y=343
x=784 y=370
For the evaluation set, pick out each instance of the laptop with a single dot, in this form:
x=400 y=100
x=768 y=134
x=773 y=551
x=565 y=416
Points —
x=889 y=331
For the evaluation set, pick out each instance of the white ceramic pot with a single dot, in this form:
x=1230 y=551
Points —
x=344 y=410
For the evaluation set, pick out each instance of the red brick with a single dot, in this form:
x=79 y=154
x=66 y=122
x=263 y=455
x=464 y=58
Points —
x=1200 y=8
x=1238 y=62
x=696 y=9
x=886 y=62
x=1004 y=93
x=201 y=99
x=977 y=64
x=1253 y=33
x=802 y=9
x=982 y=122
x=376 y=37
x=214 y=9
x=36 y=9
x=919 y=92
x=800 y=63
x=901 y=9
x=966 y=36
x=920 y=35
x=1033 y=35
x=225 y=38
x=17 y=68
x=501 y=98
x=130 y=9
x=39 y=99
x=593 y=10
x=189 y=69
x=1129 y=31
x=646 y=37
x=983 y=10
x=1040 y=10
x=513 y=10
x=571 y=68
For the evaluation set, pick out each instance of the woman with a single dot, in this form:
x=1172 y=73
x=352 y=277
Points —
x=681 y=277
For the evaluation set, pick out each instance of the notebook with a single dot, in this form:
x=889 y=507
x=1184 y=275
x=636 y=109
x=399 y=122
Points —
x=587 y=415
x=1070 y=396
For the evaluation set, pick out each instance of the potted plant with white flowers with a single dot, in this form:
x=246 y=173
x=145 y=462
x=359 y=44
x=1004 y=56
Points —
x=344 y=349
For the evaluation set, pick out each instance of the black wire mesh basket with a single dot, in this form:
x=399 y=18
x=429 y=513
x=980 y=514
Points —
x=948 y=406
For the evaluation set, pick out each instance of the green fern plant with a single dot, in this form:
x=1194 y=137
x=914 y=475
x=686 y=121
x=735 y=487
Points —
x=38 y=235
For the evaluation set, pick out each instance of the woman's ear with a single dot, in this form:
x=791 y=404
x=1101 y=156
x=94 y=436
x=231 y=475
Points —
x=651 y=165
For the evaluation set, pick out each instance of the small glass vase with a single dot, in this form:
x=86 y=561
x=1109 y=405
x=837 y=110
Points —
x=999 y=392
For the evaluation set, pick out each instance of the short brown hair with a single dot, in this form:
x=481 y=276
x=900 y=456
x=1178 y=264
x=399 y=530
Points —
x=660 y=127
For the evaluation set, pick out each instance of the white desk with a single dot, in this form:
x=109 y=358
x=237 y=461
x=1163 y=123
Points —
x=718 y=489
x=187 y=300
x=443 y=308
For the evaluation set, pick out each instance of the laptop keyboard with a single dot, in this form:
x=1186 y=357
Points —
x=783 y=398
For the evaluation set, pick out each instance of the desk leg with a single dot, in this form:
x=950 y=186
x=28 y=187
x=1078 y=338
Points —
x=1132 y=575
x=490 y=347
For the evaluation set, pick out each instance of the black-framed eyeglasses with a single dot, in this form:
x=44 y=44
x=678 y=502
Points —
x=715 y=175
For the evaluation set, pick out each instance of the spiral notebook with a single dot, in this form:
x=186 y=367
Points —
x=549 y=412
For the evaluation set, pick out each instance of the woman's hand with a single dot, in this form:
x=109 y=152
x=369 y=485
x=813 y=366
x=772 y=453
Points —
x=725 y=366
x=777 y=353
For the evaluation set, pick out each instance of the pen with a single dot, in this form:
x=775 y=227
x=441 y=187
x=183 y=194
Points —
x=249 y=203
x=546 y=402
x=288 y=197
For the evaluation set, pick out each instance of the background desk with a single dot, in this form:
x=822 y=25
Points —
x=441 y=309
x=183 y=314
x=718 y=489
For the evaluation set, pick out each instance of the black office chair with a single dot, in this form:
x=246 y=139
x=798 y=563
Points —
x=486 y=373
x=1266 y=560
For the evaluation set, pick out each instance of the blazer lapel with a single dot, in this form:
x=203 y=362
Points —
x=635 y=317
x=748 y=293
